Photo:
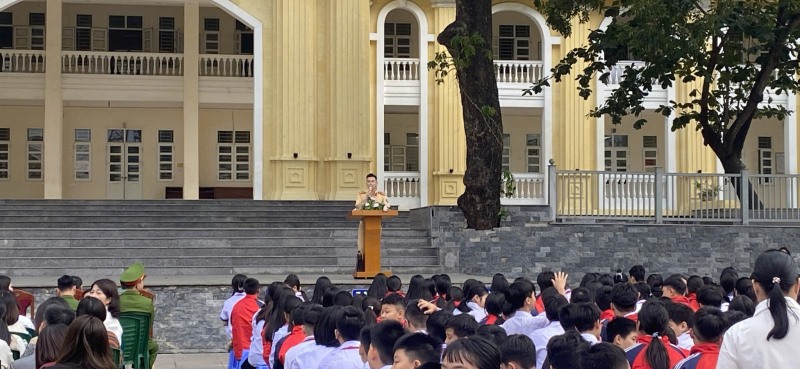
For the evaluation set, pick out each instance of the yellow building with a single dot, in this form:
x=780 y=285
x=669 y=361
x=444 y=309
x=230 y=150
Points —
x=300 y=99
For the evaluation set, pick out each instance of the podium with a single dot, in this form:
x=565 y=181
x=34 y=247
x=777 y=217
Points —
x=371 y=236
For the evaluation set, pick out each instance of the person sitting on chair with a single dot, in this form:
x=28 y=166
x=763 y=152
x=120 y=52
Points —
x=66 y=290
x=132 y=300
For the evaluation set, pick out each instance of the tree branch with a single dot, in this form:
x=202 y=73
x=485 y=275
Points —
x=710 y=137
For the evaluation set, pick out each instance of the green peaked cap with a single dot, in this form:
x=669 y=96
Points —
x=132 y=274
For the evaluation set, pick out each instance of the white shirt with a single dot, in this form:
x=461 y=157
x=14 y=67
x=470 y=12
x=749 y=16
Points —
x=685 y=341
x=6 y=357
x=540 y=339
x=26 y=322
x=294 y=352
x=592 y=339
x=312 y=357
x=277 y=337
x=523 y=322
x=343 y=357
x=476 y=311
x=256 y=355
x=639 y=305
x=745 y=344
x=724 y=307
x=112 y=325
x=227 y=307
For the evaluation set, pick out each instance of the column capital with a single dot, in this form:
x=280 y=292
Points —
x=443 y=3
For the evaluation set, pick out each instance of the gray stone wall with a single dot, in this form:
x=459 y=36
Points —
x=525 y=245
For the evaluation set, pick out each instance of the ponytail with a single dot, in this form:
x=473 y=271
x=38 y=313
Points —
x=656 y=354
x=779 y=311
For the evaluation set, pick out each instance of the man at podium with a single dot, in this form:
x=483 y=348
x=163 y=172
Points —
x=366 y=198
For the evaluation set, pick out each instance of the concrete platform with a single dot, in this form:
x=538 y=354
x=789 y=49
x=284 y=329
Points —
x=191 y=361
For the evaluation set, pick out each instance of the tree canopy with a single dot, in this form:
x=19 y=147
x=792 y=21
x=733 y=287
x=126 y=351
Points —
x=735 y=55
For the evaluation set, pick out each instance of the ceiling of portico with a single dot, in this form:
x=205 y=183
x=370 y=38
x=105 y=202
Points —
x=132 y=2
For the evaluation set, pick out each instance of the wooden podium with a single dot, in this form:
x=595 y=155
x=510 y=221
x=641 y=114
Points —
x=371 y=235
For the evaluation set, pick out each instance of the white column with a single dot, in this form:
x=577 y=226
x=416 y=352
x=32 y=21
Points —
x=53 y=105
x=191 y=98
x=790 y=148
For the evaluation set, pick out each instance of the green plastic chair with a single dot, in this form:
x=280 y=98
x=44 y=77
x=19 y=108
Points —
x=116 y=354
x=25 y=336
x=135 y=334
x=32 y=332
x=15 y=355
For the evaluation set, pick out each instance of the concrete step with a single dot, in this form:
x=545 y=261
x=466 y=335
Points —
x=268 y=224
x=121 y=233
x=170 y=212
x=48 y=262
x=210 y=253
x=406 y=242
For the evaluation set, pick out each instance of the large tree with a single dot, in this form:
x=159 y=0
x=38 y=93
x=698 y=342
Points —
x=468 y=42
x=732 y=53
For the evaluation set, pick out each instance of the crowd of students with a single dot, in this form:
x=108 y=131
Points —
x=609 y=321
x=74 y=329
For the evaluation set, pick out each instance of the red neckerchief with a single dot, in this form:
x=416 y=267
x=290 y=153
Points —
x=645 y=339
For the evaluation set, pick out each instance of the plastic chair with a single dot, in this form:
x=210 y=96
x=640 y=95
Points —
x=116 y=354
x=25 y=300
x=135 y=334
x=25 y=336
x=15 y=355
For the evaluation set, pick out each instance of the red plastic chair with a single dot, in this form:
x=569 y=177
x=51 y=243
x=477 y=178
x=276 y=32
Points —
x=24 y=301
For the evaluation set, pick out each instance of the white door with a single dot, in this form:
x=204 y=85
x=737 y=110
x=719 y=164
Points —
x=124 y=164
x=147 y=40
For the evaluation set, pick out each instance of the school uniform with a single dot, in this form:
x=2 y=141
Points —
x=295 y=337
x=745 y=344
x=636 y=356
x=682 y=300
x=6 y=356
x=607 y=315
x=277 y=337
x=476 y=311
x=522 y=322
x=28 y=323
x=541 y=337
x=685 y=341
x=227 y=306
x=692 y=297
x=312 y=358
x=703 y=356
x=490 y=319
x=299 y=349
x=343 y=357
x=592 y=339
x=242 y=324
x=255 y=355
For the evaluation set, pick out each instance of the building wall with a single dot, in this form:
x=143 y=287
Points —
x=19 y=119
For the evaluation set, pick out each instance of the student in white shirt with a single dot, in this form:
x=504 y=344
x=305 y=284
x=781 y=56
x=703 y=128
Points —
x=564 y=350
x=586 y=317
x=325 y=340
x=522 y=300
x=552 y=304
x=517 y=352
x=237 y=285
x=416 y=349
x=472 y=353
x=681 y=320
x=349 y=322
x=415 y=317
x=770 y=339
x=383 y=337
x=474 y=302
x=458 y=327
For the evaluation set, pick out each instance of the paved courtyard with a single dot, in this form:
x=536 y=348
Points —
x=193 y=361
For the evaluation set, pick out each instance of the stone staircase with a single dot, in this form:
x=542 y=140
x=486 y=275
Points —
x=98 y=238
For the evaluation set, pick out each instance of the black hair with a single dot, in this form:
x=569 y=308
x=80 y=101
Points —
x=92 y=307
x=296 y=317
x=727 y=279
x=710 y=295
x=744 y=304
x=5 y=334
x=776 y=272
x=694 y=283
x=372 y=175
x=5 y=283
x=654 y=319
x=680 y=313
x=12 y=309
x=552 y=304
x=395 y=299
x=436 y=323
x=470 y=284
x=237 y=283
x=602 y=297
x=744 y=286
x=479 y=352
x=563 y=350
x=394 y=284
x=319 y=289
x=77 y=281
x=463 y=325
x=350 y=322
x=676 y=283
x=378 y=288
x=620 y=277
x=372 y=309
x=496 y=305
x=565 y=316
x=606 y=279
x=290 y=306
x=589 y=278
x=414 y=287
x=251 y=286
x=622 y=327
x=456 y=296
x=518 y=292
x=443 y=285
x=545 y=280
x=644 y=290
x=343 y=298
x=325 y=330
x=59 y=315
x=427 y=291
x=328 y=295
x=277 y=315
x=292 y=280
x=383 y=337
x=312 y=313
x=65 y=282
x=603 y=356
x=581 y=294
x=499 y=283
x=48 y=304
x=414 y=315
x=708 y=280
x=735 y=316
x=655 y=281
x=710 y=324
x=624 y=297
x=476 y=290
x=493 y=333
x=637 y=272
x=420 y=346
x=518 y=349
x=585 y=315
x=365 y=338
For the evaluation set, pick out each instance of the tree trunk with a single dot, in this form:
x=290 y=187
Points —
x=483 y=125
x=732 y=164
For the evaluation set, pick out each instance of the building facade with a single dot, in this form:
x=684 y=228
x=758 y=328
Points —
x=300 y=99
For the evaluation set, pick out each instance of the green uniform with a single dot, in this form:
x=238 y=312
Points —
x=71 y=301
x=132 y=301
